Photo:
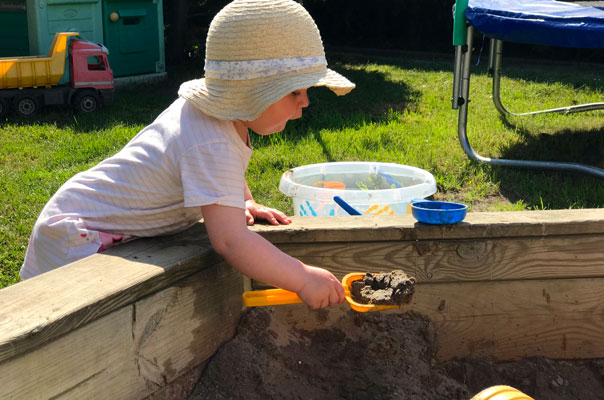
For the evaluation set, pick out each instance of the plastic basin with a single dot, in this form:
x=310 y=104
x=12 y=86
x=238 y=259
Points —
x=438 y=212
x=372 y=188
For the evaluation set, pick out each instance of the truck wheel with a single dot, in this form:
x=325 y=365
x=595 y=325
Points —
x=3 y=107
x=86 y=102
x=27 y=105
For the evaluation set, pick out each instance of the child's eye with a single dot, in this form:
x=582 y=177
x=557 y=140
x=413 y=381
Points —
x=296 y=93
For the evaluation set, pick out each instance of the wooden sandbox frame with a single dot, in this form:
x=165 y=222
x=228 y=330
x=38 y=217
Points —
x=141 y=320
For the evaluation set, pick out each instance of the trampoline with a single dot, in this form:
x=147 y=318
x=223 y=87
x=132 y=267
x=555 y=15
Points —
x=537 y=22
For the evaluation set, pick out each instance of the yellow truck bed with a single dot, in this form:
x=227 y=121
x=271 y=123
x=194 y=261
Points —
x=34 y=71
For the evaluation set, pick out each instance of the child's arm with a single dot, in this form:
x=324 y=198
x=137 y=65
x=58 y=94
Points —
x=255 y=211
x=257 y=258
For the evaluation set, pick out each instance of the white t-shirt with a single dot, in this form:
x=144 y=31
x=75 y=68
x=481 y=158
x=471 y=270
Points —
x=154 y=186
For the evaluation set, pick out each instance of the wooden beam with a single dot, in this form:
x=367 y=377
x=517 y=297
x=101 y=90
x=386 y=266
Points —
x=462 y=260
x=136 y=350
x=70 y=367
x=508 y=320
x=183 y=325
x=74 y=295
x=405 y=227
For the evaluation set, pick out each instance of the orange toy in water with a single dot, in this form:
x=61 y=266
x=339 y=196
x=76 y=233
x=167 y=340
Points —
x=331 y=185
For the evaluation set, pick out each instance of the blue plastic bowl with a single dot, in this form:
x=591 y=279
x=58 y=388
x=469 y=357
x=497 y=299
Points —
x=438 y=212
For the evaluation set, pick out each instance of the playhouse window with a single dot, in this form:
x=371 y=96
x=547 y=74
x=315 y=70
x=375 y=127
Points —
x=95 y=63
x=131 y=21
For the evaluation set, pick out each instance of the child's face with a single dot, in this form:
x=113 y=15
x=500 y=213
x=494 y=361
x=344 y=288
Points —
x=275 y=117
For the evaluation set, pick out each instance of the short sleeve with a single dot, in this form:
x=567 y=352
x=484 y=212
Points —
x=213 y=174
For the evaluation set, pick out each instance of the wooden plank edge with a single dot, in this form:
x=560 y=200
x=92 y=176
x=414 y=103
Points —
x=155 y=347
x=72 y=296
x=405 y=227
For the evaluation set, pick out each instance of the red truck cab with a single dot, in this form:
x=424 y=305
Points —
x=89 y=69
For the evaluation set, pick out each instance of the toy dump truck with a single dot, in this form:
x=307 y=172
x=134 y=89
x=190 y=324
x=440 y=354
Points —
x=29 y=83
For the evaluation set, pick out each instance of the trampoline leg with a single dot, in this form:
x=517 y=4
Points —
x=463 y=101
x=497 y=51
x=495 y=56
x=491 y=56
x=462 y=124
x=457 y=77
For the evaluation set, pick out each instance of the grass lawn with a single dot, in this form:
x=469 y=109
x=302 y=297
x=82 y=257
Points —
x=400 y=112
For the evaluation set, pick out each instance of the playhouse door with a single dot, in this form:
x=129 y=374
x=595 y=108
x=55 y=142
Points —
x=14 y=38
x=131 y=35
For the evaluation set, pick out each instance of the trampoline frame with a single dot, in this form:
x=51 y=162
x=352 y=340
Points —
x=460 y=99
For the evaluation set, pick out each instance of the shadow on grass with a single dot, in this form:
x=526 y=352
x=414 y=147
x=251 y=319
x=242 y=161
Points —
x=575 y=75
x=130 y=108
x=578 y=75
x=369 y=102
x=374 y=96
x=552 y=189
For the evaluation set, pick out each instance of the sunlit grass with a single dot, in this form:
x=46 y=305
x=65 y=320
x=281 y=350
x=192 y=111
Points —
x=400 y=112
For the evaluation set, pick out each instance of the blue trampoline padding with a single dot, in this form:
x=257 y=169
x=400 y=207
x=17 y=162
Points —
x=542 y=22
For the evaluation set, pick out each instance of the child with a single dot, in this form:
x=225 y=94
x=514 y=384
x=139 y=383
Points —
x=261 y=56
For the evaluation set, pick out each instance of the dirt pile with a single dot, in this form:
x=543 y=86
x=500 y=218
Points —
x=373 y=356
x=384 y=288
x=367 y=356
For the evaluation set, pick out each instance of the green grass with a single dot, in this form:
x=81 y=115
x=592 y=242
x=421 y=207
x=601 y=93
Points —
x=400 y=112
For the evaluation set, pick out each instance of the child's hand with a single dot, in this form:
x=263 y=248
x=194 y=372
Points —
x=255 y=211
x=321 y=288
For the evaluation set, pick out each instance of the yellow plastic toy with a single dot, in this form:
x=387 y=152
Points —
x=274 y=297
x=501 y=392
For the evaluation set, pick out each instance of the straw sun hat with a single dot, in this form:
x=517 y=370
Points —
x=258 y=51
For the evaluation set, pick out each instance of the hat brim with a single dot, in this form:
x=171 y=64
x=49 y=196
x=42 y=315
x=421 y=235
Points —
x=245 y=101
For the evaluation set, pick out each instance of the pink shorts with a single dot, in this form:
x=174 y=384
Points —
x=61 y=240
x=109 y=240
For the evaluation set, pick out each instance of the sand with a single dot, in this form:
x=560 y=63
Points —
x=373 y=355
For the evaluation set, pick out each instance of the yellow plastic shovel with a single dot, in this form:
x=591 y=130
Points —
x=274 y=297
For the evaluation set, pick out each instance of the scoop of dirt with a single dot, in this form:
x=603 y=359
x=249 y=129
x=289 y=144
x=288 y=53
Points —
x=385 y=288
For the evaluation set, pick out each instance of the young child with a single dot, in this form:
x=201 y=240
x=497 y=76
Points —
x=261 y=56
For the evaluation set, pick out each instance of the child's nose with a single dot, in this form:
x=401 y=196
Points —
x=303 y=99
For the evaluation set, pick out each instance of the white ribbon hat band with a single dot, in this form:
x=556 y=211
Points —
x=242 y=70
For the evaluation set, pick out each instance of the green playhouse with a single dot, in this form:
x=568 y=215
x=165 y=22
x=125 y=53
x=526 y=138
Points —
x=132 y=30
x=13 y=29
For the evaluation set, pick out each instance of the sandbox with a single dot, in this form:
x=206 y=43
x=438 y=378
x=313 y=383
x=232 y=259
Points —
x=143 y=320
x=374 y=356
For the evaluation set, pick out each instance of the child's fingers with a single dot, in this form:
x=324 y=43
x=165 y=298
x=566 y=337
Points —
x=339 y=293
x=314 y=305
x=270 y=217
x=281 y=217
x=334 y=298
x=249 y=218
x=274 y=216
x=324 y=303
